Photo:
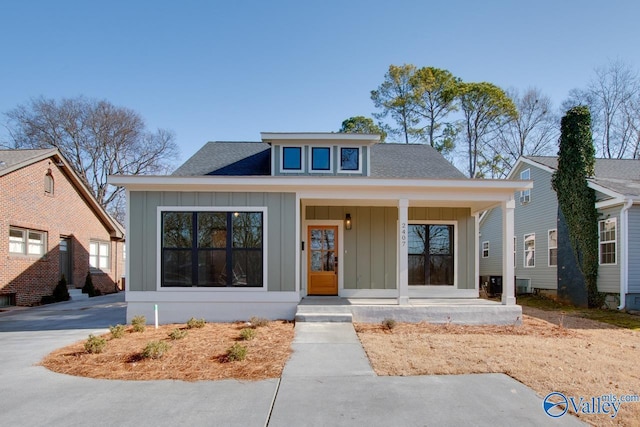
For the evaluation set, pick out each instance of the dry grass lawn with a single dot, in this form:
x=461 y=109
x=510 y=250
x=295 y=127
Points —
x=201 y=355
x=550 y=352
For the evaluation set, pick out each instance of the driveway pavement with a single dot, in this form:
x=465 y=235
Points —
x=327 y=382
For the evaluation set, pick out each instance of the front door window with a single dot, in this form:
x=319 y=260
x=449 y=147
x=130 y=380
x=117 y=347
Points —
x=323 y=261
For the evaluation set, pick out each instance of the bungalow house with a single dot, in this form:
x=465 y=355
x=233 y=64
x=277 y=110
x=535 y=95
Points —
x=536 y=252
x=247 y=229
x=52 y=226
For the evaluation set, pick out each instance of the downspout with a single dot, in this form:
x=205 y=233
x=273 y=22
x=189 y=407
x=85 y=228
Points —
x=624 y=259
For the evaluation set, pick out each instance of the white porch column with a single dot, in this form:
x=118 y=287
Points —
x=403 y=252
x=508 y=280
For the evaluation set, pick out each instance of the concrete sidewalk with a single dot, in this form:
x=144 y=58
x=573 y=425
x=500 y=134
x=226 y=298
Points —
x=327 y=382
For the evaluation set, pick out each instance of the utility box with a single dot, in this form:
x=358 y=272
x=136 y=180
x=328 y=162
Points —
x=495 y=285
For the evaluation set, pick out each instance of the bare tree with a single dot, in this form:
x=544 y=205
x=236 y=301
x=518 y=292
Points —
x=612 y=96
x=97 y=138
x=533 y=133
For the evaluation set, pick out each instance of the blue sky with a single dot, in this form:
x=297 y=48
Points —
x=227 y=70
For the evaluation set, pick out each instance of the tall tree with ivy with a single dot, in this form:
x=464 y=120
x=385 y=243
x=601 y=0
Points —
x=577 y=214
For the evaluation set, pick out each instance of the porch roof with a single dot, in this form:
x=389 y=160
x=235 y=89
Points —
x=476 y=194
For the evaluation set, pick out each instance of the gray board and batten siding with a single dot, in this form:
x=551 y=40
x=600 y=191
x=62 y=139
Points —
x=143 y=232
x=371 y=245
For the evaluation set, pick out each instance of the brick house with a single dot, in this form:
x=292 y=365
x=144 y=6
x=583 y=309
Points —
x=50 y=225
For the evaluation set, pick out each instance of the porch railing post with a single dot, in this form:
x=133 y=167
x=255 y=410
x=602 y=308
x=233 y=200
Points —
x=508 y=271
x=403 y=252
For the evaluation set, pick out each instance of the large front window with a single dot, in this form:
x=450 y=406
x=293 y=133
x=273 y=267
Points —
x=431 y=254
x=212 y=249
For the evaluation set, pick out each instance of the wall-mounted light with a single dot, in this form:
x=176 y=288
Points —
x=347 y=222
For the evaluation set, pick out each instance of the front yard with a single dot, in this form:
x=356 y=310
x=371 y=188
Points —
x=551 y=351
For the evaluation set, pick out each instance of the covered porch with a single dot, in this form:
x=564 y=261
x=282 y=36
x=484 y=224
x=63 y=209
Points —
x=378 y=263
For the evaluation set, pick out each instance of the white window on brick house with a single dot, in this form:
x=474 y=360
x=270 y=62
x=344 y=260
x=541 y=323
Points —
x=99 y=255
x=27 y=242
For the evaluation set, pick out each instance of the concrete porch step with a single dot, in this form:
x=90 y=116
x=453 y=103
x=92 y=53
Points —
x=77 y=295
x=323 y=313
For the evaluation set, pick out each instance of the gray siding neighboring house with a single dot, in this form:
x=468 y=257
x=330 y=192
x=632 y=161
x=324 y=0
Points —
x=247 y=229
x=617 y=186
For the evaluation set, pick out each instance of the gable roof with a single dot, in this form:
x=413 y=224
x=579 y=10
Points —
x=254 y=158
x=621 y=176
x=12 y=160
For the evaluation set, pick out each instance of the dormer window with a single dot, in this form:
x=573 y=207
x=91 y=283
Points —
x=320 y=159
x=350 y=159
x=292 y=159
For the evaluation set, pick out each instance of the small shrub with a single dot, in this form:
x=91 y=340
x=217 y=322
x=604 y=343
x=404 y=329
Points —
x=47 y=299
x=139 y=323
x=196 y=323
x=389 y=323
x=95 y=345
x=117 y=331
x=88 y=287
x=248 y=334
x=155 y=349
x=61 y=293
x=258 y=322
x=177 y=334
x=236 y=352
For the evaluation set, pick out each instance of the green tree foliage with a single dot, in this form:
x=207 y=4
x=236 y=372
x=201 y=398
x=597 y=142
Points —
x=434 y=94
x=98 y=139
x=485 y=108
x=576 y=162
x=361 y=124
x=395 y=98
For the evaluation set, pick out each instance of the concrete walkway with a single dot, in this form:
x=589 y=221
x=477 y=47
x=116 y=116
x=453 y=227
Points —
x=327 y=382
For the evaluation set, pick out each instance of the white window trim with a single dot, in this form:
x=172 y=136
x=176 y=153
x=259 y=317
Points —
x=549 y=247
x=525 y=195
x=487 y=249
x=25 y=242
x=614 y=241
x=524 y=249
x=302 y=159
x=455 y=254
x=100 y=243
x=355 y=171
x=265 y=246
x=311 y=169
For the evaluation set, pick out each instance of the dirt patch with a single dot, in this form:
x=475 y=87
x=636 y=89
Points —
x=199 y=356
x=549 y=352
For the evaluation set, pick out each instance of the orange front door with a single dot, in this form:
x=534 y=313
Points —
x=322 y=262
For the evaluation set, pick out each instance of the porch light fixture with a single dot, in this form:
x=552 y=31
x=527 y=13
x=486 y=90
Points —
x=347 y=222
